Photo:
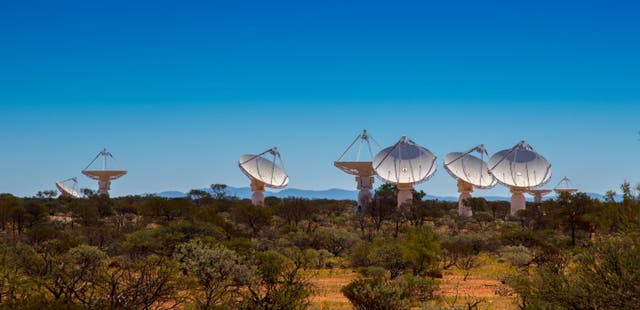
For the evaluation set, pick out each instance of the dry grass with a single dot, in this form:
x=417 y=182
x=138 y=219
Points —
x=327 y=285
x=483 y=286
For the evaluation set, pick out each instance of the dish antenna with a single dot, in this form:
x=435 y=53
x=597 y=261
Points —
x=351 y=163
x=470 y=171
x=263 y=173
x=105 y=174
x=405 y=163
x=69 y=188
x=565 y=186
x=538 y=194
x=520 y=168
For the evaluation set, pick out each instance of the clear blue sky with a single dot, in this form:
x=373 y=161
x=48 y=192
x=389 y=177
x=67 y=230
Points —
x=179 y=90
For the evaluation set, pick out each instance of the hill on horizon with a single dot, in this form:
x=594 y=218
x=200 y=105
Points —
x=338 y=194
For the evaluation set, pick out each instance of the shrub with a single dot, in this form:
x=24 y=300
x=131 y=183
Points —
x=374 y=272
x=281 y=285
x=418 y=288
x=217 y=270
x=386 y=253
x=359 y=254
x=333 y=240
x=317 y=259
x=371 y=294
x=420 y=249
x=517 y=256
x=601 y=277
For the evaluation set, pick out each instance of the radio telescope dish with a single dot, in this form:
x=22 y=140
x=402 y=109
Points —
x=520 y=168
x=405 y=163
x=470 y=171
x=263 y=173
x=538 y=194
x=565 y=186
x=351 y=162
x=69 y=188
x=104 y=174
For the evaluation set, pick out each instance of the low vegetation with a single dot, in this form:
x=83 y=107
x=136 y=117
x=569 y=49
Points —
x=212 y=251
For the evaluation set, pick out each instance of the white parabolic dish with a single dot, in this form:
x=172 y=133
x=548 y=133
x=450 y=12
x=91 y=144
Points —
x=405 y=163
x=520 y=166
x=470 y=169
x=67 y=190
x=263 y=170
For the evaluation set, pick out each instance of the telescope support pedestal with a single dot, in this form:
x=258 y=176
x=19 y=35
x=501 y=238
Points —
x=405 y=194
x=257 y=188
x=365 y=185
x=518 y=201
x=537 y=197
x=104 y=185
x=465 y=189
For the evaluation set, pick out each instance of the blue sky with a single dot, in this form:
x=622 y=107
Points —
x=178 y=91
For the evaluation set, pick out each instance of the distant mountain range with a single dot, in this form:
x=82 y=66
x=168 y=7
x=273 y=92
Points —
x=337 y=194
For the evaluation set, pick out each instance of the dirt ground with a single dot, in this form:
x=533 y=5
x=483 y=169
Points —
x=481 y=287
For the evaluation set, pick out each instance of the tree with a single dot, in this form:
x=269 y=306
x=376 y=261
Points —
x=18 y=217
x=613 y=217
x=159 y=241
x=333 y=240
x=14 y=284
x=200 y=197
x=85 y=211
x=600 y=277
x=533 y=216
x=420 y=248
x=569 y=212
x=384 y=204
x=8 y=202
x=218 y=271
x=46 y=194
x=627 y=193
x=87 y=192
x=466 y=263
x=295 y=210
x=477 y=204
x=141 y=283
x=517 y=256
x=219 y=191
x=462 y=250
x=164 y=209
x=254 y=217
x=70 y=277
x=280 y=284
x=386 y=253
x=35 y=212
x=420 y=211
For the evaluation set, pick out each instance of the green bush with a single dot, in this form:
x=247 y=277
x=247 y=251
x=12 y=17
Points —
x=374 y=272
x=604 y=276
x=371 y=294
x=420 y=249
x=517 y=256
x=359 y=254
x=418 y=288
x=317 y=258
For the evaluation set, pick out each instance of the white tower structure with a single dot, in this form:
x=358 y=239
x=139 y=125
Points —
x=104 y=174
x=520 y=168
x=351 y=162
x=405 y=163
x=263 y=173
x=470 y=171
x=538 y=194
